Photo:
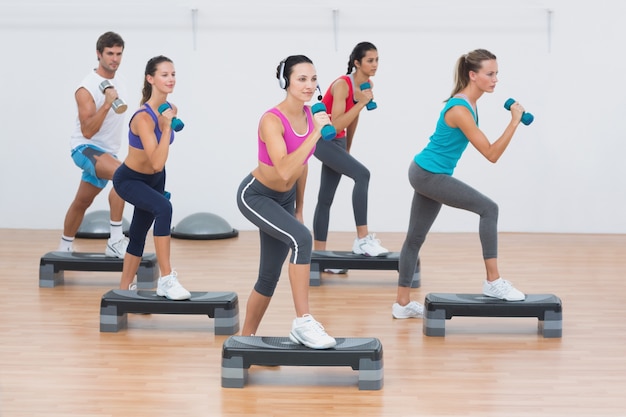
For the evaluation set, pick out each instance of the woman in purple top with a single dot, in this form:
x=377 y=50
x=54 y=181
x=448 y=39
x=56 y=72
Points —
x=271 y=197
x=140 y=180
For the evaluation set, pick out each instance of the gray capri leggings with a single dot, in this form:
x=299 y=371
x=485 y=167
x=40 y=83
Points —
x=273 y=213
x=431 y=192
x=336 y=161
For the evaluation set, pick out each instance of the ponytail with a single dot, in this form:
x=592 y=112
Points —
x=471 y=61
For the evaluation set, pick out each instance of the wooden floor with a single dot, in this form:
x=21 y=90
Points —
x=54 y=361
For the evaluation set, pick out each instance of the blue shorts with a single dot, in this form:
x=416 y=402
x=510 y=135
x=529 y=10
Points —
x=84 y=158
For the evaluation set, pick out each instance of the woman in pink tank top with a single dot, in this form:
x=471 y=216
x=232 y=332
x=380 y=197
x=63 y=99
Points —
x=272 y=195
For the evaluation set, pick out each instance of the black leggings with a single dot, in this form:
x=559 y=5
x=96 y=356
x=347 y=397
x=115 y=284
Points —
x=273 y=213
x=336 y=161
x=145 y=192
x=431 y=192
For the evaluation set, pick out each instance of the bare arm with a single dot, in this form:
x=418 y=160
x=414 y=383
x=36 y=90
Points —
x=90 y=118
x=460 y=117
x=300 y=187
x=350 y=130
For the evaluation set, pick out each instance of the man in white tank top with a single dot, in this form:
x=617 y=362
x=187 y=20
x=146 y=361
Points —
x=96 y=141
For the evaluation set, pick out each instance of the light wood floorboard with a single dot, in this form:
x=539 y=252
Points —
x=54 y=361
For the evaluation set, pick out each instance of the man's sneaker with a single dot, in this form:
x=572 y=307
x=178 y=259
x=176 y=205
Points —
x=503 y=290
x=117 y=249
x=368 y=246
x=335 y=271
x=310 y=333
x=412 y=310
x=66 y=244
x=168 y=286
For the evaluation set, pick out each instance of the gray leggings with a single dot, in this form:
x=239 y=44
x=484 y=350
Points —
x=273 y=213
x=431 y=192
x=336 y=161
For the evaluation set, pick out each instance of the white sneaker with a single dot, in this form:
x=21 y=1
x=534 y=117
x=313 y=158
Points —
x=335 y=271
x=132 y=286
x=503 y=290
x=368 y=246
x=310 y=333
x=412 y=310
x=117 y=249
x=168 y=286
x=66 y=245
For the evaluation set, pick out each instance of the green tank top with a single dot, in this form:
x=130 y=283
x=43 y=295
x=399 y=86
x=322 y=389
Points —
x=446 y=145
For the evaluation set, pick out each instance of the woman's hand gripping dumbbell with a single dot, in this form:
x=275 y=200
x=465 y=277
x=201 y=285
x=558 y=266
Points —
x=177 y=124
x=527 y=118
x=328 y=131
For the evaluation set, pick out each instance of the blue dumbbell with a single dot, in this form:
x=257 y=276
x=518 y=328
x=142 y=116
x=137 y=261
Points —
x=371 y=105
x=328 y=131
x=527 y=118
x=177 y=124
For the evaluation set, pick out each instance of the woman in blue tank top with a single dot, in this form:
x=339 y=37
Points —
x=430 y=174
x=140 y=180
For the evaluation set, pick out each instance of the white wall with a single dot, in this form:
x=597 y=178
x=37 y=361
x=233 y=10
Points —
x=561 y=174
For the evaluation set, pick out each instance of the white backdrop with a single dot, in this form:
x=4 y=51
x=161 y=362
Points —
x=562 y=59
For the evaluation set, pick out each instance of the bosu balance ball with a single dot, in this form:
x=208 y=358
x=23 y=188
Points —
x=97 y=225
x=203 y=226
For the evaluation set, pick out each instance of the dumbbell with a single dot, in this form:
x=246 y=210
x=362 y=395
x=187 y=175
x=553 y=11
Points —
x=118 y=105
x=177 y=124
x=527 y=118
x=328 y=131
x=371 y=105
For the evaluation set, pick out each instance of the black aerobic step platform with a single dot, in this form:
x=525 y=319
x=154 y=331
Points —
x=52 y=265
x=440 y=307
x=240 y=352
x=321 y=260
x=222 y=306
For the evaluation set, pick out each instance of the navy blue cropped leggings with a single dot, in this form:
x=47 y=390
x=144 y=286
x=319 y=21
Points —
x=279 y=230
x=431 y=192
x=145 y=192
x=336 y=161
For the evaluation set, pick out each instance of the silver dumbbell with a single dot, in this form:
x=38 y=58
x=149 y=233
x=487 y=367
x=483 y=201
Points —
x=119 y=106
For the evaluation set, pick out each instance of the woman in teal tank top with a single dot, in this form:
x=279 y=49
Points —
x=430 y=174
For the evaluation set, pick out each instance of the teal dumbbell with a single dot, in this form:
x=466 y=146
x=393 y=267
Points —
x=177 y=124
x=527 y=118
x=371 y=105
x=328 y=131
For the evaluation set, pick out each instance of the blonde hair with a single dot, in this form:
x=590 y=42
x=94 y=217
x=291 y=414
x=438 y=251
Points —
x=472 y=61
